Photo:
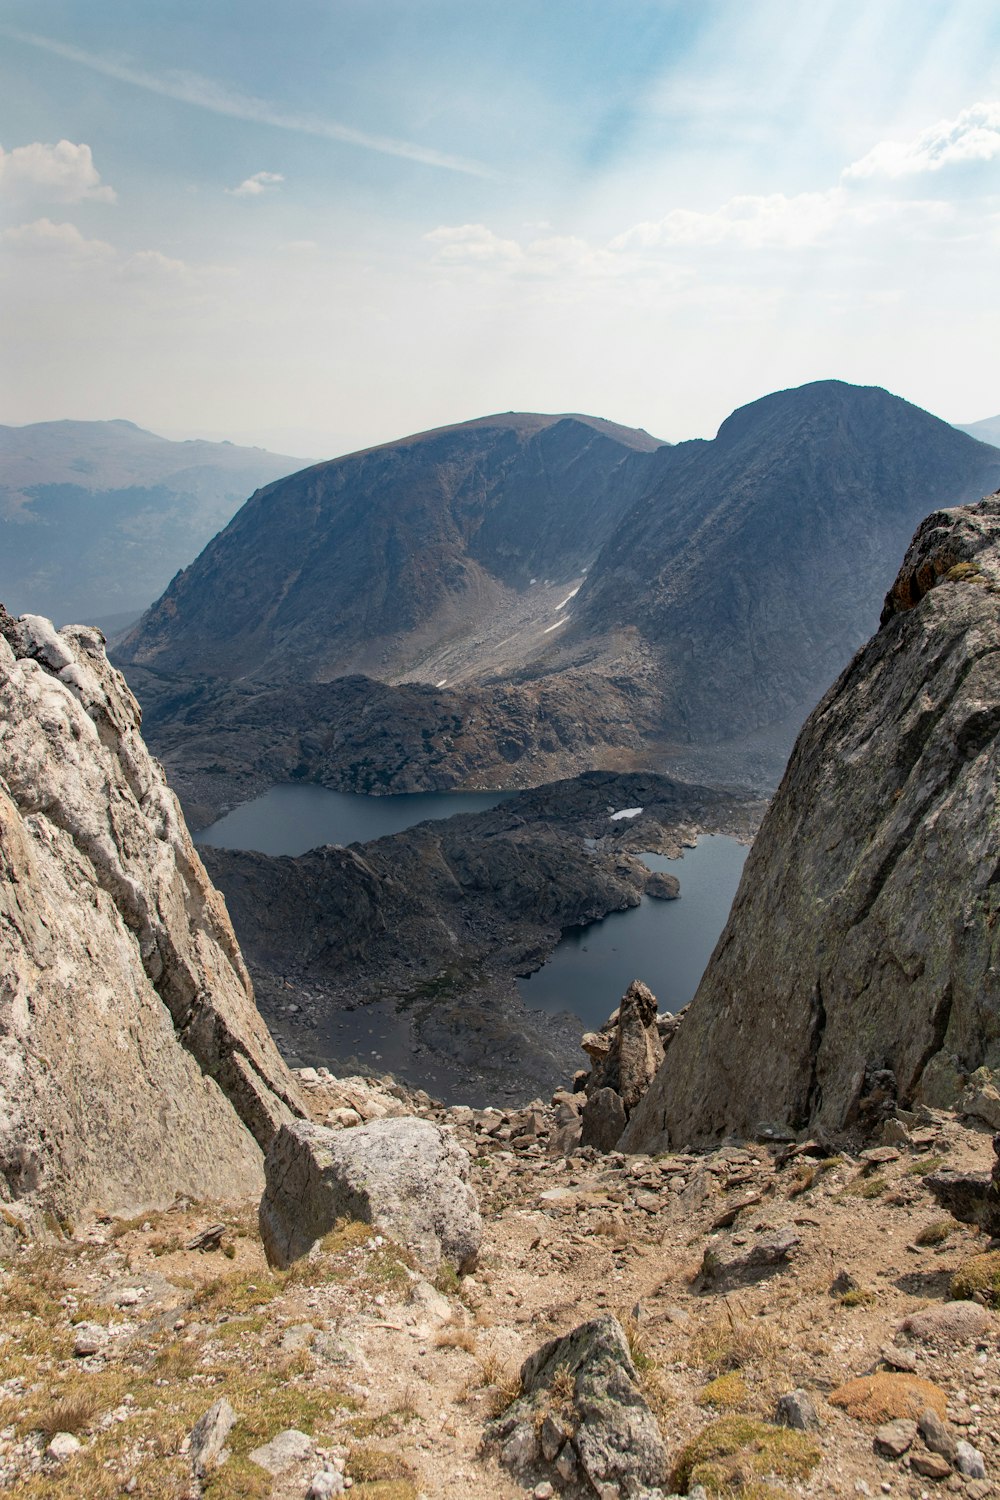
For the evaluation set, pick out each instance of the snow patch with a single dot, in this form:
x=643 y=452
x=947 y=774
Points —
x=441 y=683
x=626 y=812
x=549 y=628
x=569 y=596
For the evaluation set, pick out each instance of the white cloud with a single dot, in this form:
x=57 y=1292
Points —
x=63 y=173
x=301 y=247
x=473 y=244
x=260 y=182
x=972 y=136
x=65 y=241
x=753 y=222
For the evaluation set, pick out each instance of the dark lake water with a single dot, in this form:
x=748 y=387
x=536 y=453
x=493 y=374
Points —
x=292 y=819
x=664 y=943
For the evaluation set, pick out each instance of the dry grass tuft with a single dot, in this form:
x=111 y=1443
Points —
x=733 y=1342
x=936 y=1232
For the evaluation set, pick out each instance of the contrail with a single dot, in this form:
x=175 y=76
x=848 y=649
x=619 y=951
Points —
x=205 y=93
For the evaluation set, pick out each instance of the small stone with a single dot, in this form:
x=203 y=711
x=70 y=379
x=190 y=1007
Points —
x=936 y=1435
x=898 y=1359
x=208 y=1437
x=543 y=1491
x=551 y=1435
x=894 y=1438
x=89 y=1338
x=796 y=1409
x=930 y=1465
x=969 y=1461
x=521 y=1448
x=64 y=1445
x=978 y=1489
x=326 y=1483
x=288 y=1448
x=843 y=1283
x=565 y=1464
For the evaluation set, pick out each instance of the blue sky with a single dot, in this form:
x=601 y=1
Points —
x=330 y=224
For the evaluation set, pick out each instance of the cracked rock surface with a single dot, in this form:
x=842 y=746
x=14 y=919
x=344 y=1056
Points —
x=859 y=964
x=133 y=1062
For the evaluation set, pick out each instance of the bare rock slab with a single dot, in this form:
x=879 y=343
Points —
x=404 y=1176
x=604 y=1433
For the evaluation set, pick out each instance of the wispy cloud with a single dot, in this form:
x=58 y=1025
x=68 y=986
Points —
x=253 y=187
x=972 y=136
x=64 y=241
x=63 y=173
x=207 y=93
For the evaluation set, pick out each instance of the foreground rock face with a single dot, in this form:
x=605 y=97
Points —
x=859 y=963
x=404 y=1176
x=133 y=1062
x=601 y=1433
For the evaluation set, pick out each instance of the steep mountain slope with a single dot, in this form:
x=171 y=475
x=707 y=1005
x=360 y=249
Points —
x=96 y=517
x=727 y=583
x=756 y=566
x=987 y=431
x=860 y=962
x=369 y=563
x=133 y=1062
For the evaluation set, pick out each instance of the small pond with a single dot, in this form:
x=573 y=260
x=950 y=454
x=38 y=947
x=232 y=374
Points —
x=665 y=943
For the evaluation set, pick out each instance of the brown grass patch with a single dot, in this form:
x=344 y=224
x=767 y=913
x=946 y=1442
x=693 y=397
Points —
x=883 y=1397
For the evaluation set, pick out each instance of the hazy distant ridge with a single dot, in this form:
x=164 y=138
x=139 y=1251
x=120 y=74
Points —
x=97 y=517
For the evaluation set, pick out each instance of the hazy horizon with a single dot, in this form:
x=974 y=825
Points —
x=325 y=229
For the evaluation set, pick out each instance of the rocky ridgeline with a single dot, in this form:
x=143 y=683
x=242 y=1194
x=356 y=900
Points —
x=133 y=1061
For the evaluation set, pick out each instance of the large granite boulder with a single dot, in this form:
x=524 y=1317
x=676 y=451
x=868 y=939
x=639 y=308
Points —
x=860 y=960
x=133 y=1062
x=404 y=1176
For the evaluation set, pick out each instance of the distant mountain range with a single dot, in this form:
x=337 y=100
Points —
x=987 y=431
x=96 y=517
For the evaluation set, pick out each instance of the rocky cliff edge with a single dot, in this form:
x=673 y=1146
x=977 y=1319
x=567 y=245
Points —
x=859 y=966
x=133 y=1062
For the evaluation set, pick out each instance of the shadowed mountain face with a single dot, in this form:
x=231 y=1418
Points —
x=757 y=565
x=368 y=562
x=96 y=517
x=613 y=598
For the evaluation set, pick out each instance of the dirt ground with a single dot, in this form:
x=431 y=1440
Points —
x=393 y=1378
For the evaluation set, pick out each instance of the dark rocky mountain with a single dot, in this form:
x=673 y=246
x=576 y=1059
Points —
x=859 y=967
x=374 y=563
x=987 y=431
x=756 y=566
x=96 y=517
x=728 y=582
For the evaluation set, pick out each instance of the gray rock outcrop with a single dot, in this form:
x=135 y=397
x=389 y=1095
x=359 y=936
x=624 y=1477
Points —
x=582 y=1412
x=133 y=1062
x=404 y=1176
x=859 y=966
x=625 y=1053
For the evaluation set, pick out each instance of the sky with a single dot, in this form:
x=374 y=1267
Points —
x=330 y=223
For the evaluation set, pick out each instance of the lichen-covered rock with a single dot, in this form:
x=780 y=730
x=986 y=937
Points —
x=133 y=1061
x=604 y=1430
x=404 y=1176
x=861 y=961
